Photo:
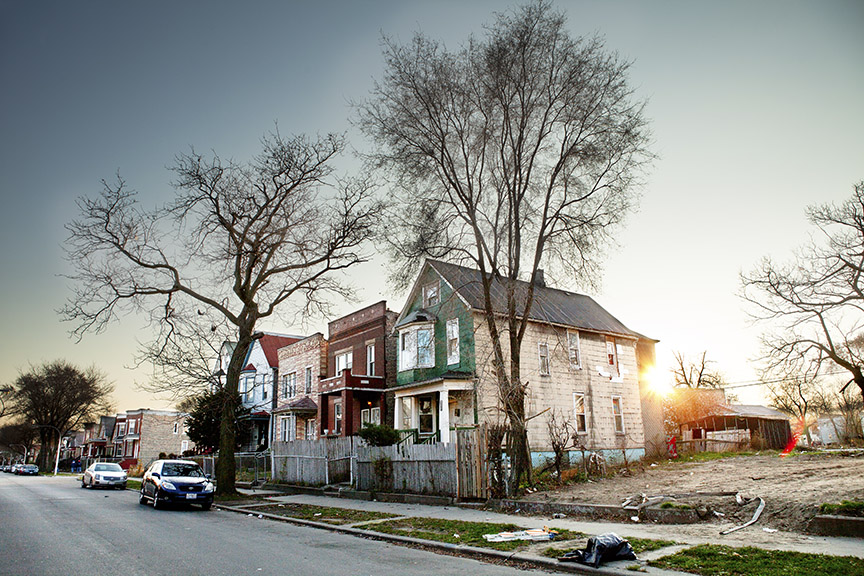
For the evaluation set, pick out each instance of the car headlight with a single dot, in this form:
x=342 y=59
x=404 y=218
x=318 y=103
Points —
x=168 y=485
x=208 y=487
x=98 y=477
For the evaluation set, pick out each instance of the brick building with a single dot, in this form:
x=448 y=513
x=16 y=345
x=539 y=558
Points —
x=141 y=435
x=361 y=365
x=301 y=367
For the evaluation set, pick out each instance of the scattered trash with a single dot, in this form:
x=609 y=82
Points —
x=719 y=514
x=518 y=510
x=653 y=465
x=456 y=536
x=769 y=530
x=741 y=502
x=260 y=516
x=634 y=518
x=558 y=515
x=534 y=534
x=602 y=548
x=249 y=515
x=317 y=514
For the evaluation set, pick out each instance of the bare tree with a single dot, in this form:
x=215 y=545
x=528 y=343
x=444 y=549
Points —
x=57 y=397
x=515 y=152
x=239 y=242
x=695 y=374
x=561 y=435
x=797 y=393
x=814 y=305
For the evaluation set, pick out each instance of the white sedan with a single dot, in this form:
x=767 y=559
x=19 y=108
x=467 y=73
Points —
x=104 y=474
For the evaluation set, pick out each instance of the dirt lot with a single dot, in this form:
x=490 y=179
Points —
x=792 y=487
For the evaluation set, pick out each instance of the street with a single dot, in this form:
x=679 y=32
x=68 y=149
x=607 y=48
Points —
x=51 y=526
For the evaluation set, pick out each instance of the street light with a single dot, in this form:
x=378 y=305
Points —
x=59 y=440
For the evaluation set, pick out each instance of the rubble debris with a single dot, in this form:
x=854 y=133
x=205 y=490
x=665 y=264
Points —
x=534 y=534
x=603 y=548
x=741 y=502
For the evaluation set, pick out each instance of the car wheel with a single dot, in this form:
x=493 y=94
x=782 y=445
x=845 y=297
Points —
x=82 y=484
x=206 y=506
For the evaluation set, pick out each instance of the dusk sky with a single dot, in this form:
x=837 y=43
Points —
x=755 y=107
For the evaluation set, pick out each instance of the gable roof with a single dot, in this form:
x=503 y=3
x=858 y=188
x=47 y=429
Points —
x=550 y=304
x=270 y=344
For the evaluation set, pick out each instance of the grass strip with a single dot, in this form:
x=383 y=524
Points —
x=133 y=484
x=326 y=514
x=845 y=508
x=460 y=532
x=714 y=560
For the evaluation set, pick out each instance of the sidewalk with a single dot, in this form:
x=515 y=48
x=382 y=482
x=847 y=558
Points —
x=685 y=534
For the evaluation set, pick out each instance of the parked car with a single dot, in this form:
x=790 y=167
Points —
x=15 y=467
x=176 y=481
x=106 y=474
x=6 y=468
x=27 y=470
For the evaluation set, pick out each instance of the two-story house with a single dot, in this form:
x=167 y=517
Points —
x=98 y=438
x=301 y=366
x=257 y=385
x=141 y=435
x=360 y=367
x=576 y=358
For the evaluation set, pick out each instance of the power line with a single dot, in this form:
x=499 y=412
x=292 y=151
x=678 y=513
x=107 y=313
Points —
x=747 y=384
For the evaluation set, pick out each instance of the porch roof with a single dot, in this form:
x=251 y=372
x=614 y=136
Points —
x=447 y=381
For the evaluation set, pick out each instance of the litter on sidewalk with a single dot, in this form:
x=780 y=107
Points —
x=603 y=548
x=534 y=534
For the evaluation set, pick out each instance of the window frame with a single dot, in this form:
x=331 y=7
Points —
x=291 y=384
x=571 y=336
x=337 y=417
x=547 y=369
x=580 y=396
x=618 y=417
x=345 y=357
x=370 y=359
x=611 y=357
x=452 y=337
x=307 y=388
x=409 y=347
x=432 y=294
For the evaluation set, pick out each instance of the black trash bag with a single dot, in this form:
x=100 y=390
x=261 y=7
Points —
x=602 y=548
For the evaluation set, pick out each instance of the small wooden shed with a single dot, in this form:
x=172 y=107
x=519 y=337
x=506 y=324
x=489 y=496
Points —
x=737 y=426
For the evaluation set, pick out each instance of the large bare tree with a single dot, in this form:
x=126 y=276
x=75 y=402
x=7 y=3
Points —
x=57 y=397
x=814 y=304
x=517 y=151
x=689 y=373
x=797 y=391
x=239 y=242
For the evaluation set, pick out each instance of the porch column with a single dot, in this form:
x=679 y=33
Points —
x=397 y=413
x=415 y=412
x=444 y=415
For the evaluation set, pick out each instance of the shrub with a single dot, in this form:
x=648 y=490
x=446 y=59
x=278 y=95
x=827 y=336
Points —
x=379 y=434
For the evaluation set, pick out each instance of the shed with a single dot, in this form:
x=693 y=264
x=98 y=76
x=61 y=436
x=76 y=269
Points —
x=737 y=426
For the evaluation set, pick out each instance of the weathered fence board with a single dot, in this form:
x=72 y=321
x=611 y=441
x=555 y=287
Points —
x=313 y=462
x=415 y=469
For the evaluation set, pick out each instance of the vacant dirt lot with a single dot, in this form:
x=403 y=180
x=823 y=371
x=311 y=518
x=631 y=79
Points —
x=792 y=487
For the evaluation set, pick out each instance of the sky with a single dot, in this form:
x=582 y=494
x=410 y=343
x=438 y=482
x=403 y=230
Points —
x=755 y=108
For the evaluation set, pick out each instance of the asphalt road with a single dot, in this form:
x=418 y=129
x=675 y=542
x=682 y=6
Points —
x=51 y=526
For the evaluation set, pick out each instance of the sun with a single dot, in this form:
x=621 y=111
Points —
x=658 y=383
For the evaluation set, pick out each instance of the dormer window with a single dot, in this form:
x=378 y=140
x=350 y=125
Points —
x=431 y=294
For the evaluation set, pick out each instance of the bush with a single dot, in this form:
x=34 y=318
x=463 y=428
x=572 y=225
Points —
x=379 y=434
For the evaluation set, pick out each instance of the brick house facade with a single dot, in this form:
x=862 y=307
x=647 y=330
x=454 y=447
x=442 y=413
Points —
x=140 y=436
x=301 y=367
x=360 y=367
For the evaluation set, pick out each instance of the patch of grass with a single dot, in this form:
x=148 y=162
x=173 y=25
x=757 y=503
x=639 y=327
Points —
x=845 y=508
x=133 y=484
x=714 y=560
x=675 y=506
x=641 y=545
x=469 y=533
x=324 y=514
x=636 y=568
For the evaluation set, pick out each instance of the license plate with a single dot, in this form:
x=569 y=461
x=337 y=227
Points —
x=191 y=496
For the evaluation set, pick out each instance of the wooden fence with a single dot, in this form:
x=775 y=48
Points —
x=456 y=469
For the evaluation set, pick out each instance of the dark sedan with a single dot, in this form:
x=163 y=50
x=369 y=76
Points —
x=177 y=482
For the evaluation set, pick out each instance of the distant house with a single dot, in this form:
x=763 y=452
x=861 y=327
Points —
x=730 y=426
x=301 y=367
x=257 y=385
x=360 y=365
x=140 y=436
x=577 y=359
x=98 y=438
x=837 y=428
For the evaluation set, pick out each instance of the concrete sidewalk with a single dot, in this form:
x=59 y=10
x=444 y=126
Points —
x=691 y=534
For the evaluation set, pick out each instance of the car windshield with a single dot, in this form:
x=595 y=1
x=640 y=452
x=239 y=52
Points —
x=180 y=469
x=108 y=468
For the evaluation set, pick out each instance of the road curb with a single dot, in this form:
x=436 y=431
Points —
x=458 y=549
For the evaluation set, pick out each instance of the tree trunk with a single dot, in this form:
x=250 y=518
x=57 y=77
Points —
x=226 y=471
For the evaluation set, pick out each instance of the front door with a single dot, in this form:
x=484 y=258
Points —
x=426 y=413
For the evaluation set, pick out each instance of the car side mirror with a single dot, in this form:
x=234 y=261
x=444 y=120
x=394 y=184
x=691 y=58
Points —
x=155 y=475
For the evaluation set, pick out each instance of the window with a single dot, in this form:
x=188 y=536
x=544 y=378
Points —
x=310 y=429
x=370 y=416
x=337 y=418
x=370 y=359
x=573 y=350
x=184 y=446
x=285 y=386
x=287 y=428
x=417 y=348
x=290 y=383
x=431 y=295
x=618 y=414
x=427 y=416
x=453 y=341
x=264 y=390
x=308 y=382
x=121 y=429
x=579 y=413
x=176 y=428
x=247 y=388
x=544 y=358
x=344 y=361
x=132 y=426
x=611 y=355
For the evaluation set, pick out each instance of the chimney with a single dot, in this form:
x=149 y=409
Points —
x=540 y=278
